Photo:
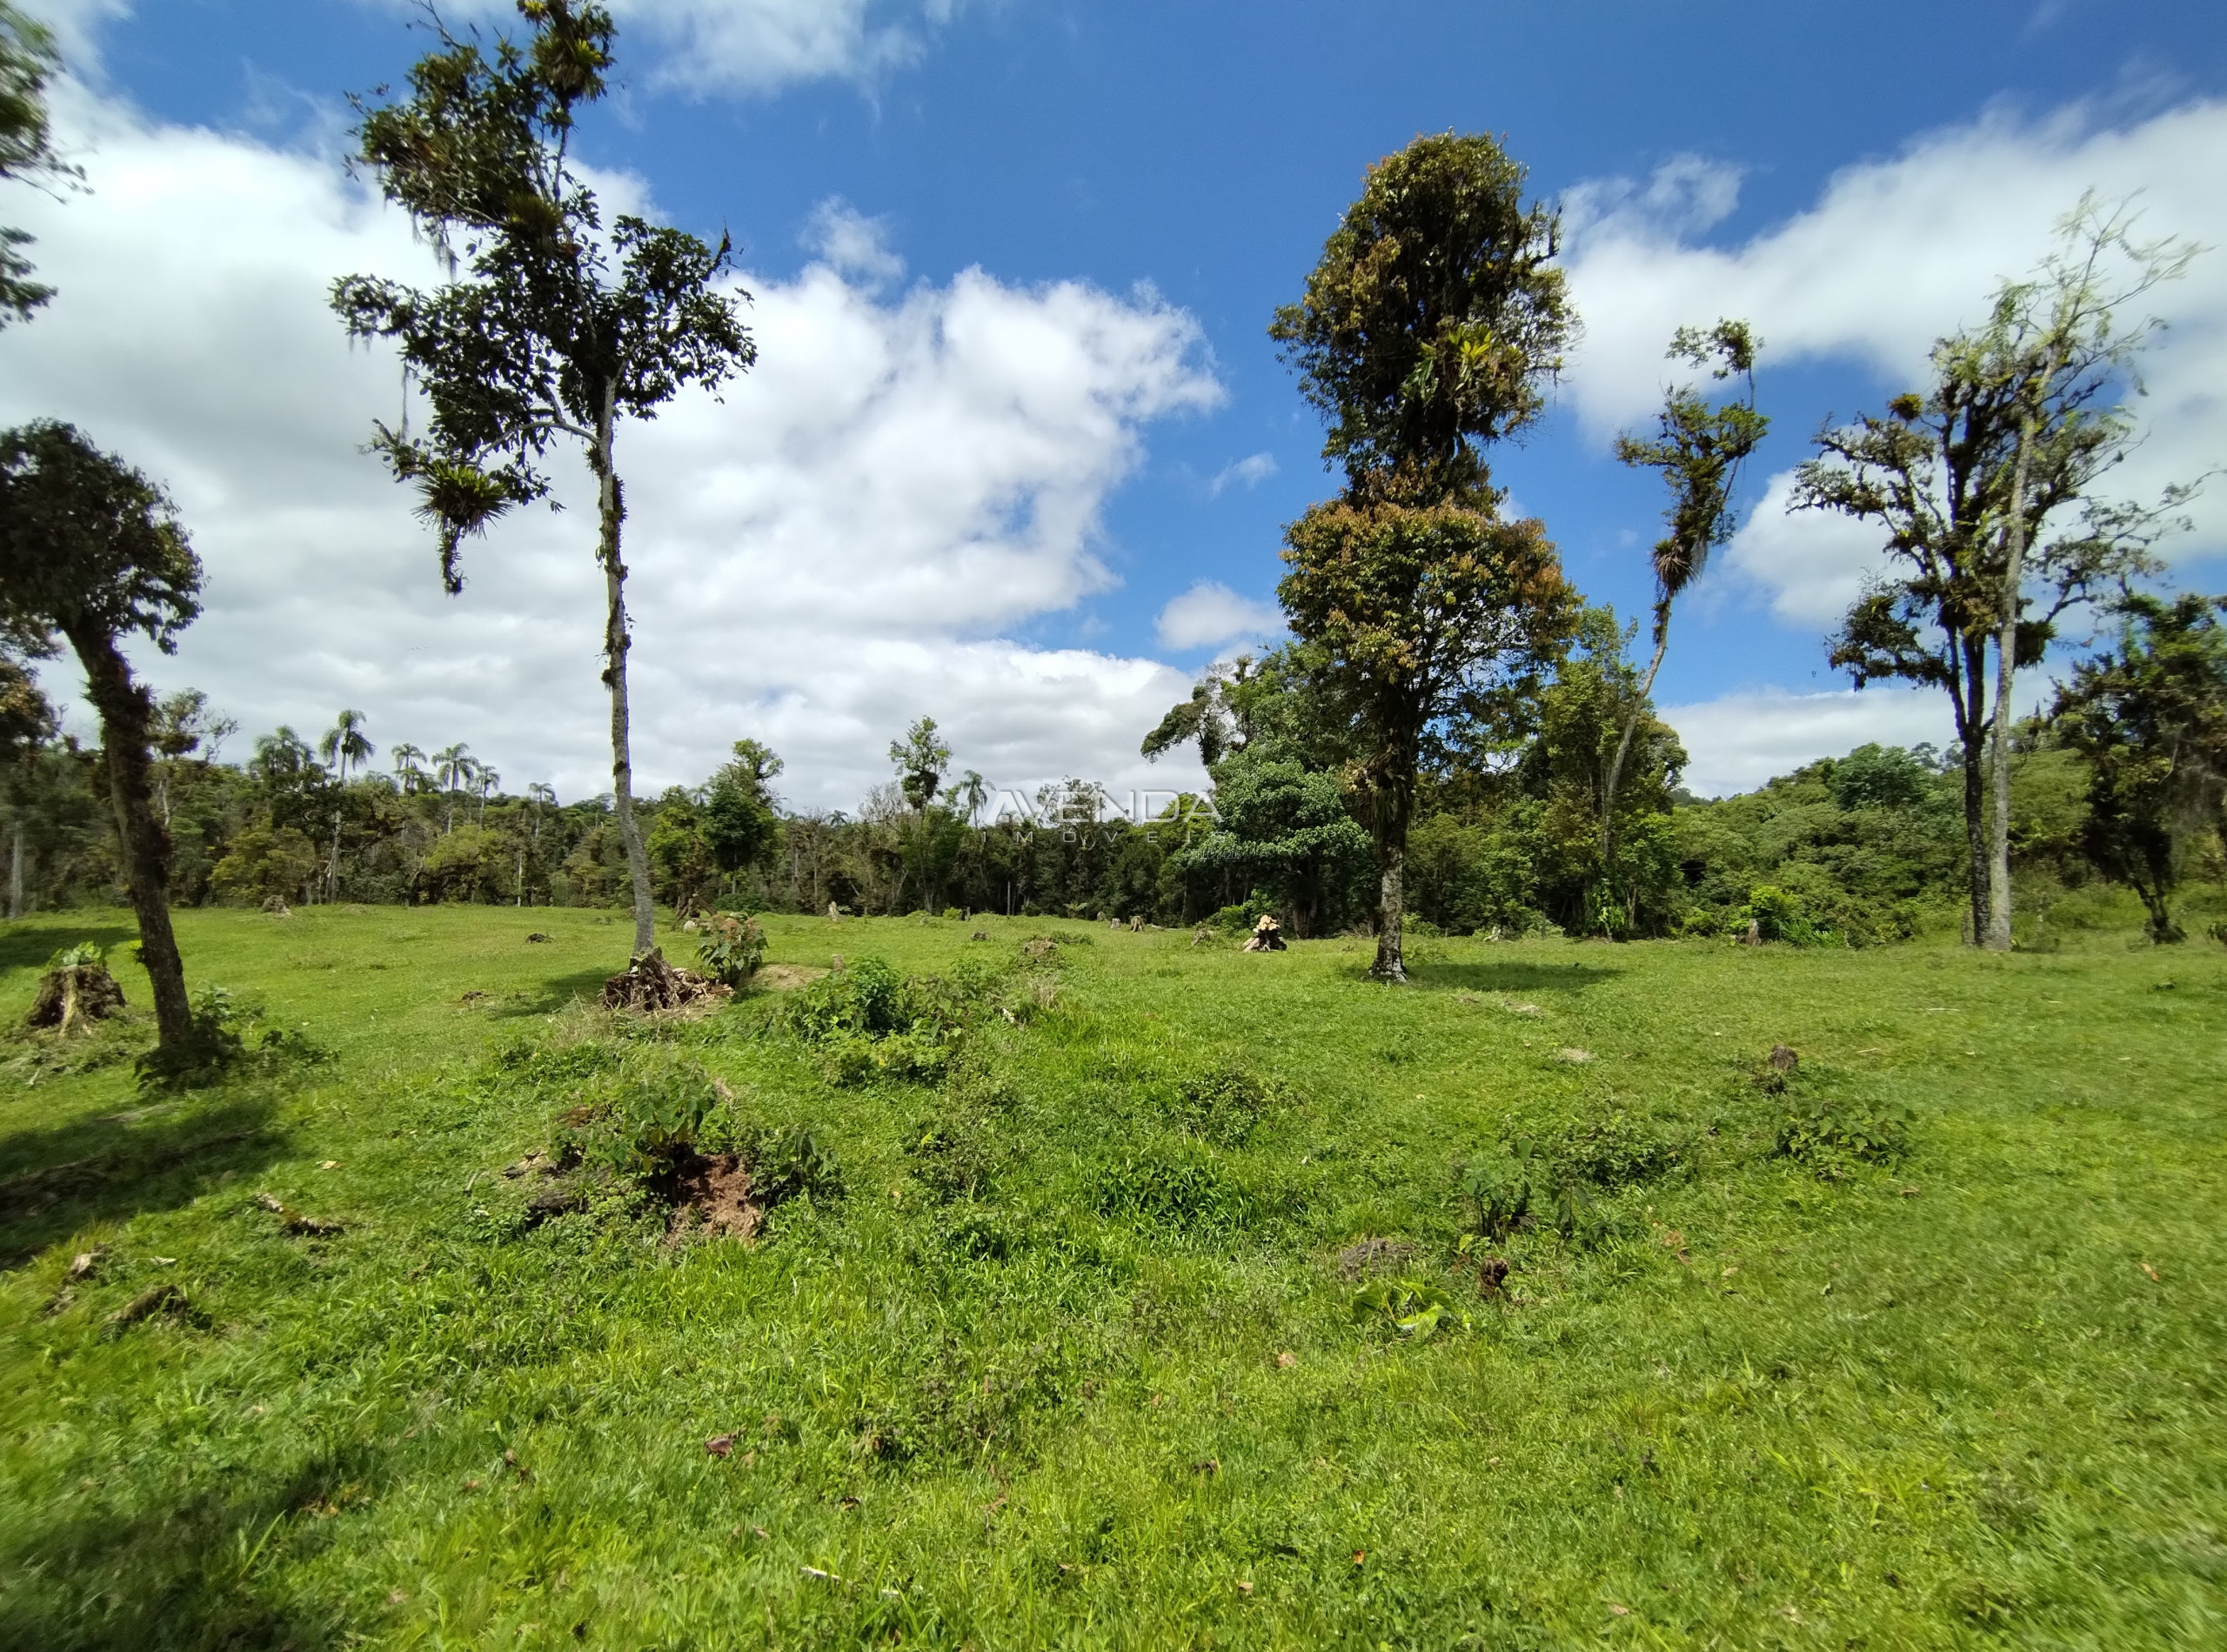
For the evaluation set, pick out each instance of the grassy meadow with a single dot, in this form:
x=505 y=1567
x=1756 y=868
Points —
x=1075 y=1338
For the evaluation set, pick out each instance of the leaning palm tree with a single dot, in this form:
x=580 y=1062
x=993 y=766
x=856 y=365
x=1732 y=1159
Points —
x=344 y=746
x=454 y=768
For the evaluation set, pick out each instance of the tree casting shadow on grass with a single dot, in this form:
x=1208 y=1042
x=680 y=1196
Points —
x=58 y=1181
x=558 y=993
x=182 y=1573
x=1505 y=977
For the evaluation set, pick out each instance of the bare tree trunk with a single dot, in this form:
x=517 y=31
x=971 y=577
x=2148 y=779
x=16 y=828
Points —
x=2006 y=663
x=1390 y=965
x=616 y=642
x=126 y=710
x=1976 y=838
x=1624 y=745
x=333 y=878
x=15 y=870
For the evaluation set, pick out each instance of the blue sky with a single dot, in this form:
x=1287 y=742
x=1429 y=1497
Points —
x=1203 y=152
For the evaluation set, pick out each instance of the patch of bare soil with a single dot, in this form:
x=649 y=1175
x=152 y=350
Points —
x=76 y=992
x=1358 y=1260
x=650 y=984
x=712 y=1196
x=785 y=978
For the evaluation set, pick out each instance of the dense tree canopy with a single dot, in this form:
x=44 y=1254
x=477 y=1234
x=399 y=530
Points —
x=1434 y=319
x=28 y=61
x=2151 y=717
x=92 y=551
x=1429 y=626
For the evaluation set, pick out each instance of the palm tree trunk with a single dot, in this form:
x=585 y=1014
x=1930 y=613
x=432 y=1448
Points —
x=613 y=511
x=15 y=870
x=126 y=710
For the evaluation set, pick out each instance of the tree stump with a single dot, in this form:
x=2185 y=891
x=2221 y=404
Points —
x=1268 y=936
x=73 y=993
x=649 y=984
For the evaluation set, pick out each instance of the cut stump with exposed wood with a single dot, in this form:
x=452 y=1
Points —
x=1268 y=936
x=73 y=992
x=649 y=984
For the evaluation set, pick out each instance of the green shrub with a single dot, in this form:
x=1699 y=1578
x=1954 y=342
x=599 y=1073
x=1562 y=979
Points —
x=1223 y=1103
x=1560 y=1175
x=643 y=1122
x=732 y=948
x=1776 y=916
x=1833 y=1137
x=952 y=1160
x=1415 y=1308
x=227 y=1034
x=871 y=1021
x=1181 y=1192
x=790 y=1162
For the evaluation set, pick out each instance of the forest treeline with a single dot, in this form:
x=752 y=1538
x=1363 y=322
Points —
x=1454 y=731
x=1859 y=850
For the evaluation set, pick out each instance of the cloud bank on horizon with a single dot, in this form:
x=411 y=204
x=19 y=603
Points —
x=866 y=527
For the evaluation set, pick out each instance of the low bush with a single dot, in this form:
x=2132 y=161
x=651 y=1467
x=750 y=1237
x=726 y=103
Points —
x=1415 y=1308
x=870 y=1021
x=1560 y=1175
x=1181 y=1191
x=653 y=1118
x=1833 y=1137
x=790 y=1162
x=732 y=948
x=229 y=1035
x=1222 y=1103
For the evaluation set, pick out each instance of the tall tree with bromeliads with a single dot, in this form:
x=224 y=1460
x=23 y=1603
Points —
x=92 y=551
x=1429 y=330
x=553 y=328
x=1985 y=488
x=1699 y=445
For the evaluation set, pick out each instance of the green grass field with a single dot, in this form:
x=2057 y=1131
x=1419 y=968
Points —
x=1074 y=1360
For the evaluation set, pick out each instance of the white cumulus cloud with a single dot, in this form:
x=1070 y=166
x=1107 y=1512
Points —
x=1894 y=254
x=1249 y=471
x=1210 y=612
x=828 y=553
x=1737 y=742
x=757 y=46
x=850 y=243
